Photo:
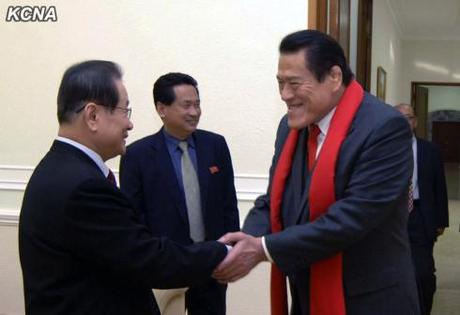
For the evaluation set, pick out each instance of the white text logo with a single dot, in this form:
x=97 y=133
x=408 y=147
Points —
x=31 y=14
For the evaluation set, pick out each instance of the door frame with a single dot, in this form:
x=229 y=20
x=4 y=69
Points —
x=335 y=21
x=414 y=85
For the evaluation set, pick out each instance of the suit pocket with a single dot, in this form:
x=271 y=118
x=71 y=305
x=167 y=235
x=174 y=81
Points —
x=371 y=282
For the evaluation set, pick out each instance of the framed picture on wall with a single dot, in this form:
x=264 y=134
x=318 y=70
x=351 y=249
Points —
x=381 y=83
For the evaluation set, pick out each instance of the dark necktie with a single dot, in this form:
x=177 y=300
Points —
x=111 y=178
x=313 y=133
x=192 y=195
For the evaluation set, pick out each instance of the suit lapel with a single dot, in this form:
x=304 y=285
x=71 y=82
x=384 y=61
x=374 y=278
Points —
x=168 y=175
x=297 y=181
x=303 y=206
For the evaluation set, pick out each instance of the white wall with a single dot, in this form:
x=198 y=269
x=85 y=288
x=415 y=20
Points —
x=229 y=46
x=429 y=60
x=386 y=50
x=443 y=98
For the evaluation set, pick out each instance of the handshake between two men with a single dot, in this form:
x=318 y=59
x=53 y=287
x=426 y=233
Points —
x=246 y=253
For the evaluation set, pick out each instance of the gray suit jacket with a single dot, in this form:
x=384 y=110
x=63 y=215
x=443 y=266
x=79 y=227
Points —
x=367 y=222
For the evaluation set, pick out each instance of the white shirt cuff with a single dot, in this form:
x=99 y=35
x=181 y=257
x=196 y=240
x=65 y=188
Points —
x=270 y=259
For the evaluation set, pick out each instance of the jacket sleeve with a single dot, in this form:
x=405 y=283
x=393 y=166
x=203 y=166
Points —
x=103 y=231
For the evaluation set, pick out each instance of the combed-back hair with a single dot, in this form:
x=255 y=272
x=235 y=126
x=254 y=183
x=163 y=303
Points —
x=88 y=81
x=163 y=88
x=322 y=52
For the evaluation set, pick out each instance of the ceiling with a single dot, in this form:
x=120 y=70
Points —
x=427 y=19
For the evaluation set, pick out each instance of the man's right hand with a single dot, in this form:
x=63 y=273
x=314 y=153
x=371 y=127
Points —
x=246 y=253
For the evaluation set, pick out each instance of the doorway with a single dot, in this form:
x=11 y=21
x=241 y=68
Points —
x=437 y=106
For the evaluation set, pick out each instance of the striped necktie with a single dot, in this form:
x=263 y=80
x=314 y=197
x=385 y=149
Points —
x=111 y=178
x=313 y=133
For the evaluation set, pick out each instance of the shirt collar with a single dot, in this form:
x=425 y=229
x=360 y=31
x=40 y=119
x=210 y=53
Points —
x=174 y=142
x=325 y=122
x=92 y=154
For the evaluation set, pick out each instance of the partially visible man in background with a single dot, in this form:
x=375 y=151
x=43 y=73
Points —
x=429 y=216
x=81 y=245
x=181 y=180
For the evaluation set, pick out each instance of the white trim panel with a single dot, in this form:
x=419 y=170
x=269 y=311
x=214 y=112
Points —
x=14 y=178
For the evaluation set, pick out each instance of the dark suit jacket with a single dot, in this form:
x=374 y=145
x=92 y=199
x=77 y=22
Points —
x=367 y=222
x=147 y=177
x=84 y=251
x=432 y=188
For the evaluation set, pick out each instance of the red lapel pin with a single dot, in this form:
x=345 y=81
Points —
x=213 y=169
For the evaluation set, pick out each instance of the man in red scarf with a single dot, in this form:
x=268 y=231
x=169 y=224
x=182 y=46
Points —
x=334 y=217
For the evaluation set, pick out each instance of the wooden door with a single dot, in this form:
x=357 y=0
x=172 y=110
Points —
x=421 y=110
x=364 y=53
x=333 y=17
x=446 y=135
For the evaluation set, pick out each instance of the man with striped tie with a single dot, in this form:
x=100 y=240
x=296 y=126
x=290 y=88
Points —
x=82 y=247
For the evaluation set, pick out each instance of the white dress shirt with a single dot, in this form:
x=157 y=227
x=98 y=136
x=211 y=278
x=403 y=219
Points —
x=93 y=155
x=415 y=193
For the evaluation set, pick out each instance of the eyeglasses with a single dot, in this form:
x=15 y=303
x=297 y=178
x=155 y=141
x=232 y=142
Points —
x=126 y=111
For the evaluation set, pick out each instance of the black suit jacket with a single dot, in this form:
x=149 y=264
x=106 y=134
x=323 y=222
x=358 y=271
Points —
x=368 y=221
x=84 y=251
x=148 y=178
x=432 y=188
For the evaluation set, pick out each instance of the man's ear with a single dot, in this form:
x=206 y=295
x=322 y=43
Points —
x=160 y=107
x=335 y=78
x=91 y=116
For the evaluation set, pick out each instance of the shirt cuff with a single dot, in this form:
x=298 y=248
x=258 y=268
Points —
x=270 y=259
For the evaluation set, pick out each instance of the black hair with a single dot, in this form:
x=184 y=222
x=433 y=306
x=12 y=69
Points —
x=88 y=81
x=163 y=88
x=322 y=52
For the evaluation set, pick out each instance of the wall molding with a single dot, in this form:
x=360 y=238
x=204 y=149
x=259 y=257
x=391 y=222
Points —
x=14 y=178
x=9 y=217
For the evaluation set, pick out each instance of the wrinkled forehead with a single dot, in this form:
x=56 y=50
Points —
x=291 y=65
x=406 y=110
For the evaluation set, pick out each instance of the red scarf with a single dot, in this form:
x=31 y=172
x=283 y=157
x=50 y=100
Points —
x=326 y=283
